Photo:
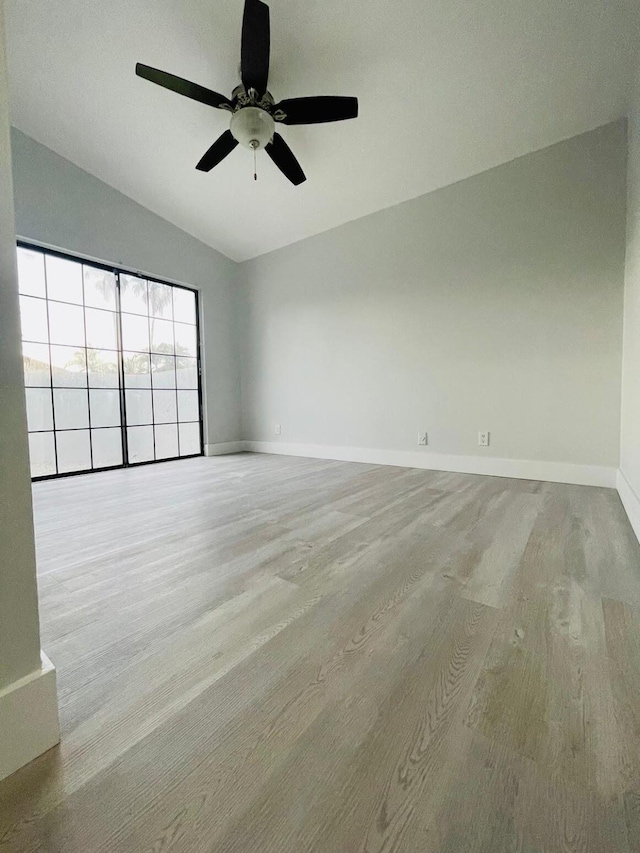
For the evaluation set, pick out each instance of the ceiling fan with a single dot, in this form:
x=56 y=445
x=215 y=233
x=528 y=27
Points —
x=254 y=112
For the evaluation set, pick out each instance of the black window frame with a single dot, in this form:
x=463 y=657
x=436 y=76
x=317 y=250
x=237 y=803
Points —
x=117 y=271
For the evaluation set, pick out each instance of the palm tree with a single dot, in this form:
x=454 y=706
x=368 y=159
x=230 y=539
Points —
x=136 y=362
x=92 y=361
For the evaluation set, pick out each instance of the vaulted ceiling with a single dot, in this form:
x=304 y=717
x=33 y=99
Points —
x=447 y=88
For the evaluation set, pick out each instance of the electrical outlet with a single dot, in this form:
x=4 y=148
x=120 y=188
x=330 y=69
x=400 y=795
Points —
x=422 y=438
x=278 y=429
x=483 y=439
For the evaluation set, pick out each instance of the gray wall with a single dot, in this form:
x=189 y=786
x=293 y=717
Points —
x=495 y=303
x=19 y=629
x=60 y=205
x=630 y=433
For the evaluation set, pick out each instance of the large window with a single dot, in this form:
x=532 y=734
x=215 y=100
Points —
x=111 y=366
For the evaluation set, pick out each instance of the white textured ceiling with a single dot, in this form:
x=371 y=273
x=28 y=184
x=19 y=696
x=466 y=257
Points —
x=447 y=88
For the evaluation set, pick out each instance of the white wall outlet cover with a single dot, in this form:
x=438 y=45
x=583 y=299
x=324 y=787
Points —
x=278 y=429
x=483 y=439
x=422 y=438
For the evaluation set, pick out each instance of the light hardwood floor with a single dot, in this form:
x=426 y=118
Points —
x=260 y=653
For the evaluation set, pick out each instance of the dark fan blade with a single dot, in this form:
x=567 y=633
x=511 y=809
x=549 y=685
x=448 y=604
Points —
x=182 y=87
x=285 y=160
x=254 y=54
x=221 y=147
x=318 y=109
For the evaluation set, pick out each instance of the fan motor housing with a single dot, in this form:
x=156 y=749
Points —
x=253 y=127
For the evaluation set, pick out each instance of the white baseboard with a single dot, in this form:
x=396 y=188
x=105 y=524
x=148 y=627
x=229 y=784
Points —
x=28 y=718
x=631 y=503
x=224 y=447
x=521 y=469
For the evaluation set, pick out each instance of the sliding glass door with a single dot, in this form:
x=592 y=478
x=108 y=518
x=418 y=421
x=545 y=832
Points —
x=111 y=366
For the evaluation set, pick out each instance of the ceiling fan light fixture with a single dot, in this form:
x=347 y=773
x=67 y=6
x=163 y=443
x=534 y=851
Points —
x=252 y=107
x=252 y=127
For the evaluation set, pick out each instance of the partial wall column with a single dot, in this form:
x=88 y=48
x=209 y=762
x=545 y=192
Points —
x=28 y=704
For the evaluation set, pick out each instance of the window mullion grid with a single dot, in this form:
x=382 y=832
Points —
x=86 y=364
x=153 y=411
x=120 y=361
x=199 y=373
x=53 y=407
x=123 y=405
x=175 y=372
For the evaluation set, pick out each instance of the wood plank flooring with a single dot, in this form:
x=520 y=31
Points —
x=261 y=653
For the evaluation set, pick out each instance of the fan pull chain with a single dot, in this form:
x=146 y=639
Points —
x=255 y=168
